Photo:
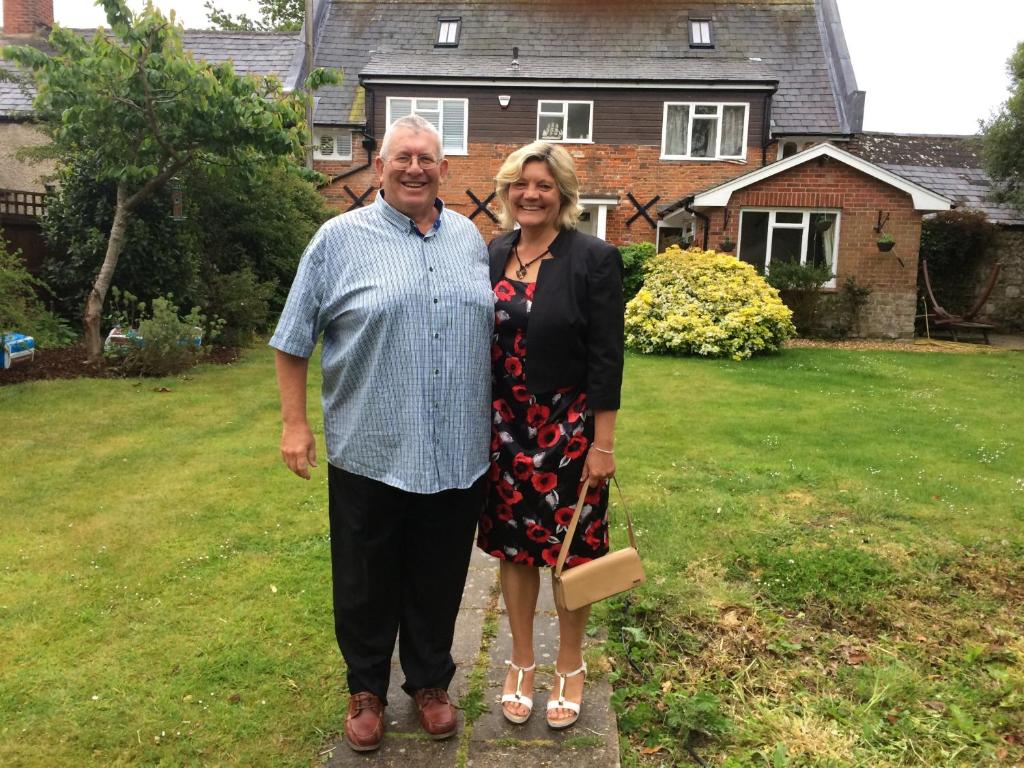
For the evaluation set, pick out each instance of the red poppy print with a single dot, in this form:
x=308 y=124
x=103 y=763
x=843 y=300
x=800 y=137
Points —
x=537 y=415
x=502 y=410
x=550 y=554
x=577 y=409
x=563 y=516
x=576 y=446
x=519 y=393
x=519 y=343
x=543 y=482
x=504 y=290
x=539 y=445
x=522 y=466
x=537 y=532
x=548 y=435
x=509 y=494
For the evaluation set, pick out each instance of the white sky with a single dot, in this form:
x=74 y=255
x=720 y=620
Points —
x=928 y=66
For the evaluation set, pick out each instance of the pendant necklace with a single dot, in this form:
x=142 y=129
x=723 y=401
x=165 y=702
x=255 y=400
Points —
x=524 y=268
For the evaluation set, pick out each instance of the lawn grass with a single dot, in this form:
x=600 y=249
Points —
x=833 y=540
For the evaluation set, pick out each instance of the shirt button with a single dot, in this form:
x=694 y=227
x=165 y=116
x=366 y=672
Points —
x=436 y=371
x=435 y=301
x=437 y=335
x=430 y=269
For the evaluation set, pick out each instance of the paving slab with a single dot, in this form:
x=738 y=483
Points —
x=495 y=741
x=405 y=744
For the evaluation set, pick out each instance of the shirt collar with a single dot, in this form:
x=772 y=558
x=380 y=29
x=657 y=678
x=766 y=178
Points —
x=402 y=221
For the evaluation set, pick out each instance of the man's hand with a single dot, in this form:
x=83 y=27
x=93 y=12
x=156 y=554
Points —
x=298 y=448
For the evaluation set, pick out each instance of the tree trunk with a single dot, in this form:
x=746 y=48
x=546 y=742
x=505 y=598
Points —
x=98 y=294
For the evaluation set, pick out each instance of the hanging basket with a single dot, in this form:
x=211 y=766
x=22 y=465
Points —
x=886 y=245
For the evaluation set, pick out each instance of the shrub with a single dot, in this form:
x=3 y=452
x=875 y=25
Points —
x=799 y=287
x=706 y=303
x=165 y=343
x=634 y=261
x=843 y=309
x=240 y=303
x=21 y=310
x=955 y=244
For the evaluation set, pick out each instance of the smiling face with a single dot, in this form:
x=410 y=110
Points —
x=411 y=190
x=534 y=198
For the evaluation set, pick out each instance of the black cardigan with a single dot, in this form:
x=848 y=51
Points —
x=575 y=333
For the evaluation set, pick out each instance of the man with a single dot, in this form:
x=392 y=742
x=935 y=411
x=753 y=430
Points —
x=401 y=293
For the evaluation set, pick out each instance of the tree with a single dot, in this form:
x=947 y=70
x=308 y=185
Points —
x=144 y=111
x=277 y=16
x=1004 y=137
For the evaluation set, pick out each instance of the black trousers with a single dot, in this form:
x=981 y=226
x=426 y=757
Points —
x=399 y=562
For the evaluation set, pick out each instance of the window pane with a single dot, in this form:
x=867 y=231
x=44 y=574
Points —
x=789 y=217
x=786 y=245
x=433 y=116
x=551 y=127
x=700 y=32
x=579 y=122
x=454 y=135
x=754 y=238
x=706 y=109
x=400 y=108
x=821 y=241
x=449 y=29
x=703 y=138
x=677 y=129
x=555 y=107
x=326 y=144
x=732 y=131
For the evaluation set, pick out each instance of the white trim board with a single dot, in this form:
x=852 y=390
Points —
x=924 y=199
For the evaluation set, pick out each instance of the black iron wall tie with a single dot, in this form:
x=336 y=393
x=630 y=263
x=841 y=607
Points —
x=358 y=201
x=481 y=207
x=641 y=210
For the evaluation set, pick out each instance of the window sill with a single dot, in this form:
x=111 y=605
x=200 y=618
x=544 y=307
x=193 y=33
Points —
x=568 y=141
x=678 y=158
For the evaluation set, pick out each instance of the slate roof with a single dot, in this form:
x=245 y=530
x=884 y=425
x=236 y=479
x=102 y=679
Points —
x=256 y=53
x=445 y=65
x=949 y=165
x=795 y=40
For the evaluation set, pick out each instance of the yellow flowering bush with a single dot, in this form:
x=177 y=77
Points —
x=706 y=303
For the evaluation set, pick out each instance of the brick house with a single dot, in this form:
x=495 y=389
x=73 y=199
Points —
x=688 y=122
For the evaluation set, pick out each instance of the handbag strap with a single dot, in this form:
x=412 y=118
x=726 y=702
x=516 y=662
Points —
x=571 y=531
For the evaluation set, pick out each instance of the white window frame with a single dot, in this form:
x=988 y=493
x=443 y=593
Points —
x=565 y=121
x=718 y=131
x=441 y=101
x=318 y=134
x=701 y=25
x=805 y=225
x=450 y=25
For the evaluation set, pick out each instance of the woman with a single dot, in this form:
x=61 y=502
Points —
x=557 y=372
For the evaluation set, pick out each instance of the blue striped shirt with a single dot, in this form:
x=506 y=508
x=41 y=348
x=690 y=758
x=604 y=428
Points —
x=406 y=320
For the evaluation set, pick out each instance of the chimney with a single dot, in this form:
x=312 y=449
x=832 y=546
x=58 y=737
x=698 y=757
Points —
x=23 y=17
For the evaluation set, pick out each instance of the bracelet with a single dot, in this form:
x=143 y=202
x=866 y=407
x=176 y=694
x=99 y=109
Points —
x=602 y=450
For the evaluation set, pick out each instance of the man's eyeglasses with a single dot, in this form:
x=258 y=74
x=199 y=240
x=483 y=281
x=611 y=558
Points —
x=402 y=162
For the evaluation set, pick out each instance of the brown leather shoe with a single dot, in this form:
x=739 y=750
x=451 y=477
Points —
x=437 y=714
x=364 y=726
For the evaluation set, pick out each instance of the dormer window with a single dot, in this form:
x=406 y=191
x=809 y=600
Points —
x=448 y=30
x=700 y=33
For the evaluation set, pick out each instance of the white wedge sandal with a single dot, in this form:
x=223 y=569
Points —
x=563 y=703
x=518 y=697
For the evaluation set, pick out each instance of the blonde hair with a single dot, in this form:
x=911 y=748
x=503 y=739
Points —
x=560 y=164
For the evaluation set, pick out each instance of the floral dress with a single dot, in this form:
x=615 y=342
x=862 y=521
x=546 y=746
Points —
x=538 y=448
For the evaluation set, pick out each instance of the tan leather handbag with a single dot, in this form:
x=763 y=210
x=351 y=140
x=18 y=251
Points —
x=589 y=582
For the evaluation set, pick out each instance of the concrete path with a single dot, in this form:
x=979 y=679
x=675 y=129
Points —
x=485 y=738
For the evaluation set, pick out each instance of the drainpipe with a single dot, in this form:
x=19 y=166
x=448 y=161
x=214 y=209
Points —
x=766 y=129
x=687 y=202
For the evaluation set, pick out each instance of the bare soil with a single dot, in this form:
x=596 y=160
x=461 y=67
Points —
x=70 y=363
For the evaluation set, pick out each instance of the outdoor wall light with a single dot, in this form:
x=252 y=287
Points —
x=503 y=101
